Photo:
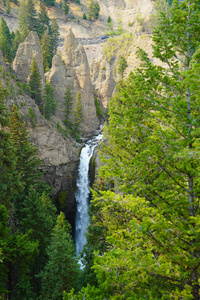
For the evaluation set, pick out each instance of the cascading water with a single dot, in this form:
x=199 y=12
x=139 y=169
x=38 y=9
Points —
x=83 y=192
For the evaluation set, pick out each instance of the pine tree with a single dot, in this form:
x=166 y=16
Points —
x=23 y=20
x=68 y=102
x=5 y=40
x=46 y=51
x=27 y=164
x=43 y=23
x=35 y=83
x=65 y=6
x=10 y=185
x=61 y=271
x=18 y=253
x=78 y=113
x=50 y=104
x=122 y=65
x=54 y=35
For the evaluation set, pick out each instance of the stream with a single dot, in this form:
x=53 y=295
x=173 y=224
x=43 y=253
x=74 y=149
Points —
x=82 y=193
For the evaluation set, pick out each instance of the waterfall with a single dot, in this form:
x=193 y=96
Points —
x=83 y=192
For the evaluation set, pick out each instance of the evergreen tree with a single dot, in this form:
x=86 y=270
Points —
x=9 y=179
x=54 y=36
x=18 y=253
x=84 y=16
x=46 y=51
x=68 y=102
x=43 y=21
x=149 y=204
x=94 y=10
x=122 y=65
x=31 y=15
x=5 y=40
x=8 y=8
x=23 y=20
x=49 y=101
x=160 y=6
x=78 y=113
x=65 y=6
x=27 y=164
x=16 y=41
x=49 y=2
x=61 y=271
x=35 y=83
x=109 y=19
x=38 y=216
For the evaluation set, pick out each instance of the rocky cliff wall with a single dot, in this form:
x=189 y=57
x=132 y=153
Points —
x=73 y=71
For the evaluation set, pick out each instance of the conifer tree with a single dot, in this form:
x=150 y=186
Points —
x=43 y=21
x=18 y=253
x=35 y=83
x=61 y=271
x=46 y=51
x=122 y=65
x=68 y=102
x=23 y=20
x=54 y=35
x=9 y=179
x=78 y=113
x=5 y=40
x=27 y=164
x=50 y=104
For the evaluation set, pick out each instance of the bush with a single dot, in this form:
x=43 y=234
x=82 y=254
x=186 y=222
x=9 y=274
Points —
x=84 y=16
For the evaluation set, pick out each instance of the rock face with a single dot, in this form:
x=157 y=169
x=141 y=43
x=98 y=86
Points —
x=73 y=71
x=27 y=50
x=102 y=79
x=60 y=155
x=2 y=62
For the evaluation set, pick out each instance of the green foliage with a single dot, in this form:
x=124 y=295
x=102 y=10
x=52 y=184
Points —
x=50 y=105
x=35 y=83
x=65 y=6
x=18 y=253
x=117 y=46
x=59 y=127
x=46 y=51
x=8 y=8
x=149 y=194
x=160 y=6
x=54 y=35
x=43 y=20
x=121 y=65
x=140 y=19
x=9 y=179
x=49 y=2
x=61 y=271
x=94 y=10
x=98 y=109
x=31 y=117
x=84 y=16
x=109 y=19
x=68 y=103
x=78 y=113
x=5 y=40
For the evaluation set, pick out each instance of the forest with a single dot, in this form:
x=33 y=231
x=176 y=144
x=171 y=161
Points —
x=143 y=241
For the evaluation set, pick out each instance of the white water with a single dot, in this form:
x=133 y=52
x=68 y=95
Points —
x=83 y=192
